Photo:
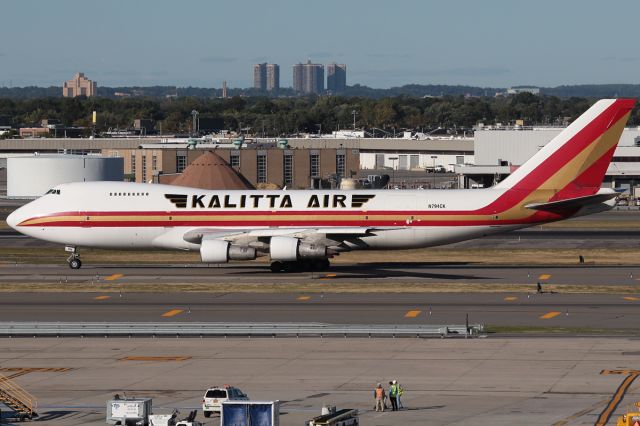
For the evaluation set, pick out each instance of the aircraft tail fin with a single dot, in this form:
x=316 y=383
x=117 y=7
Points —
x=573 y=163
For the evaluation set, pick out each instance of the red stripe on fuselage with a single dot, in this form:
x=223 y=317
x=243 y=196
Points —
x=536 y=217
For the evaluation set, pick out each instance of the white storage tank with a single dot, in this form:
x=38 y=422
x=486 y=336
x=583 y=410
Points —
x=30 y=176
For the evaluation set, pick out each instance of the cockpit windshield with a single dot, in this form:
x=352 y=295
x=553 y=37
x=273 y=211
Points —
x=53 y=191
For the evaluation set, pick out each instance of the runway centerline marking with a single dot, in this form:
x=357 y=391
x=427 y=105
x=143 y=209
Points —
x=304 y=298
x=618 y=395
x=631 y=298
x=412 y=314
x=172 y=313
x=113 y=277
x=550 y=315
x=544 y=277
x=102 y=297
x=510 y=298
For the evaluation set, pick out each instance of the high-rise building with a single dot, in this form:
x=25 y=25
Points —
x=297 y=77
x=273 y=77
x=308 y=78
x=336 y=77
x=79 y=86
x=224 y=89
x=266 y=77
x=260 y=76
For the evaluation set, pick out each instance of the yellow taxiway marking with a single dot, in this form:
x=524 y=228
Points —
x=328 y=276
x=172 y=313
x=544 y=277
x=102 y=297
x=412 y=314
x=19 y=371
x=156 y=358
x=618 y=395
x=510 y=298
x=113 y=277
x=631 y=298
x=550 y=315
x=303 y=298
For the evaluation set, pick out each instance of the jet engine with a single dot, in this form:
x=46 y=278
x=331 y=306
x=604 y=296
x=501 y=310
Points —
x=220 y=251
x=291 y=249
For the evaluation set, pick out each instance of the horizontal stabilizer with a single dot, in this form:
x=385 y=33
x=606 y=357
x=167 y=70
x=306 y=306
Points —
x=573 y=203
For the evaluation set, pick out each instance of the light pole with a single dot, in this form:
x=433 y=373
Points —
x=194 y=128
x=354 y=112
x=393 y=169
x=433 y=157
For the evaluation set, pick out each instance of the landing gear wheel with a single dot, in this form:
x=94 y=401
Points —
x=75 y=263
x=324 y=264
x=277 y=266
x=207 y=414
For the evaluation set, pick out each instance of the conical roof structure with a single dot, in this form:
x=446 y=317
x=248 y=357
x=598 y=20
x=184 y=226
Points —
x=210 y=171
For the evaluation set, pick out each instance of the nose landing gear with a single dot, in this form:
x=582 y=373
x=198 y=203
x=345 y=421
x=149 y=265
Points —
x=74 y=258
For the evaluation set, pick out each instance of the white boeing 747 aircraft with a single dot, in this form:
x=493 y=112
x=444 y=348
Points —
x=306 y=228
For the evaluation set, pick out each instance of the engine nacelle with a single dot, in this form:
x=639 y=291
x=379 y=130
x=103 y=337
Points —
x=220 y=251
x=290 y=249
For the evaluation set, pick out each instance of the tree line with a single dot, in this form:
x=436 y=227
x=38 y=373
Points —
x=274 y=117
x=356 y=90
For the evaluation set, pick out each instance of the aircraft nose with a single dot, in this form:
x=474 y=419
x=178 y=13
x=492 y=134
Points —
x=13 y=219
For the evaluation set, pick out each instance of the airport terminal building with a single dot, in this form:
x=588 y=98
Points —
x=500 y=151
x=295 y=163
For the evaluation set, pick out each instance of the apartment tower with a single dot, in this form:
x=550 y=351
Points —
x=336 y=77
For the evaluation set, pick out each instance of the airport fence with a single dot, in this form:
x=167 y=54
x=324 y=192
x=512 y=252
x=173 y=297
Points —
x=129 y=329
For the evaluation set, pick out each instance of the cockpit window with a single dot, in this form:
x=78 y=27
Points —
x=53 y=191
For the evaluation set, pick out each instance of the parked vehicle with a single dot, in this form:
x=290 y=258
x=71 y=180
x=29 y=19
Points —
x=215 y=396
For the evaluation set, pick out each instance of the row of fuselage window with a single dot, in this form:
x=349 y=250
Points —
x=128 y=194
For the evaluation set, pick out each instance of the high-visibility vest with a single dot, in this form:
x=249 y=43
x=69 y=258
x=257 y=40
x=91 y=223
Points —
x=393 y=390
x=379 y=393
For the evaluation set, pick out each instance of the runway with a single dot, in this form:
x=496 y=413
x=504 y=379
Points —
x=605 y=312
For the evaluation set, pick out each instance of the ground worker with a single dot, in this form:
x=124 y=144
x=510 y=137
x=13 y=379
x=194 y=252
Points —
x=380 y=396
x=393 y=393
x=400 y=392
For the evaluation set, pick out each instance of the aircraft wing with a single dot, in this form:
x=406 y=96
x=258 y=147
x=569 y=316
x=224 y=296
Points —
x=336 y=234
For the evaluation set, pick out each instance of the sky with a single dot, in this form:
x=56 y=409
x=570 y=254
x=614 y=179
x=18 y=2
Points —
x=491 y=43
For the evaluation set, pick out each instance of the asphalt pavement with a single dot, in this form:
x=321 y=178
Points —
x=589 y=312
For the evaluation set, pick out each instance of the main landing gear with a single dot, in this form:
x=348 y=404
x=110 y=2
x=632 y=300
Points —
x=300 y=265
x=74 y=258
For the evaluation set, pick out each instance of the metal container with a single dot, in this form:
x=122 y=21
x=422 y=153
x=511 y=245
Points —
x=247 y=413
x=129 y=411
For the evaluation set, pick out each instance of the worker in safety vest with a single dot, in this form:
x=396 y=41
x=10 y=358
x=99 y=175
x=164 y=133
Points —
x=393 y=394
x=399 y=395
x=380 y=396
